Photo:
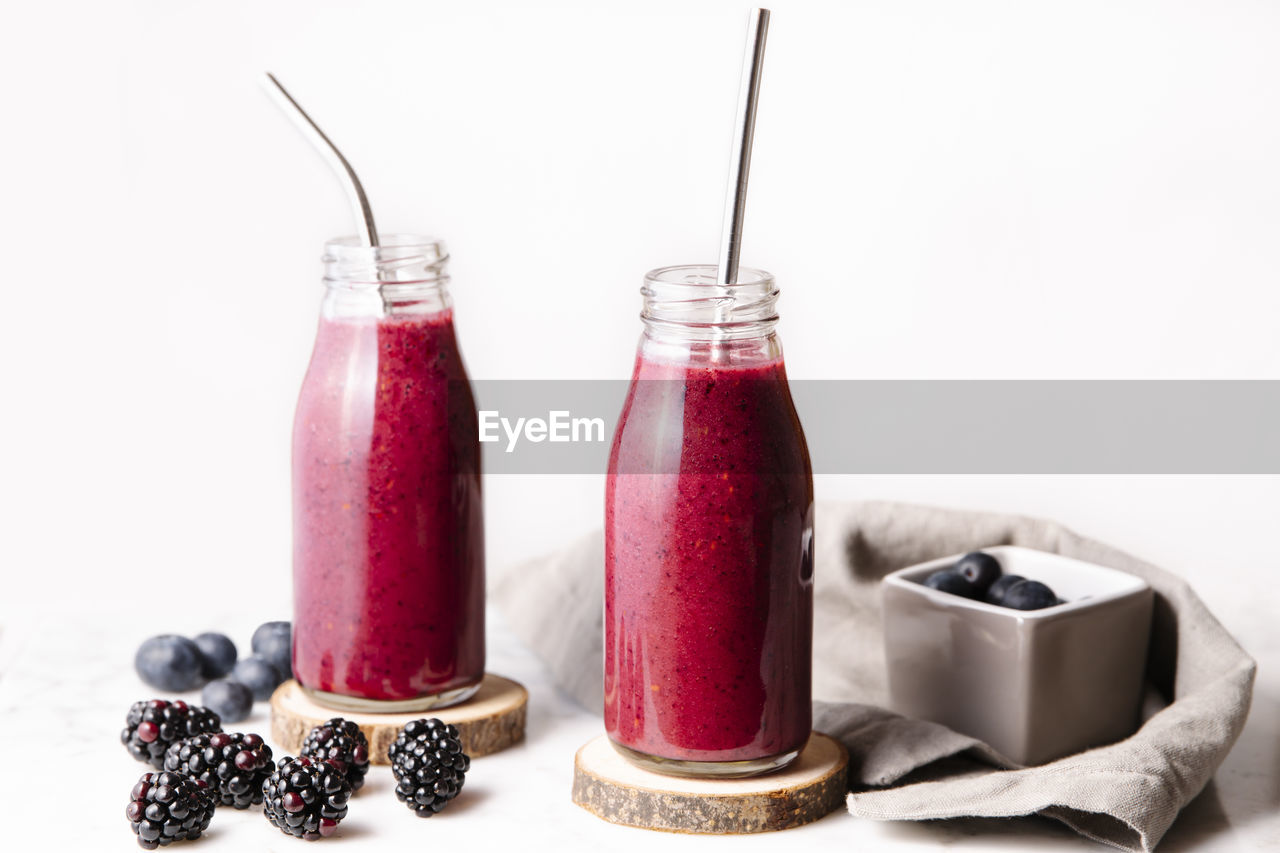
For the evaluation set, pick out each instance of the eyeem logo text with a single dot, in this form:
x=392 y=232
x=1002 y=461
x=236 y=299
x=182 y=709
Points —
x=559 y=426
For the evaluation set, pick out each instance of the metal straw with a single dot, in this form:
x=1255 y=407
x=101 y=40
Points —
x=355 y=190
x=744 y=130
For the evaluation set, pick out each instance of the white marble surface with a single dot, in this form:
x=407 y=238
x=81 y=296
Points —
x=66 y=681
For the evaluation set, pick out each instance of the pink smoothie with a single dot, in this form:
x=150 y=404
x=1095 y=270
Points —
x=708 y=574
x=388 y=536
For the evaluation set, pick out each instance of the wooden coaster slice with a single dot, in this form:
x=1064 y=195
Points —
x=611 y=788
x=490 y=721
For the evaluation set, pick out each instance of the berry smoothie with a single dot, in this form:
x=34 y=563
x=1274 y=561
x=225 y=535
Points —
x=708 y=565
x=388 y=533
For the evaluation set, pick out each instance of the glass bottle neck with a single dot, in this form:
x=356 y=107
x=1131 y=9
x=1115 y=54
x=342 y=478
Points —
x=405 y=274
x=690 y=318
x=727 y=354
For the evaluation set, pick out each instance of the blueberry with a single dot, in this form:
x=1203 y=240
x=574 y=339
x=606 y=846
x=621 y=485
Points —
x=980 y=570
x=169 y=662
x=230 y=700
x=258 y=675
x=949 y=580
x=217 y=654
x=996 y=593
x=273 y=641
x=1029 y=595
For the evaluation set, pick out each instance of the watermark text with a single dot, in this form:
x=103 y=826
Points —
x=558 y=426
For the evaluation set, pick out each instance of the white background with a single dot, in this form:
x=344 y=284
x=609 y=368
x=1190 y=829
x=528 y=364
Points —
x=944 y=190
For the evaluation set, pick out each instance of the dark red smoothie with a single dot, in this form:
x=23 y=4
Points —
x=708 y=567
x=388 y=534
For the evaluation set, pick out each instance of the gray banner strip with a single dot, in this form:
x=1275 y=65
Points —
x=1042 y=427
x=944 y=427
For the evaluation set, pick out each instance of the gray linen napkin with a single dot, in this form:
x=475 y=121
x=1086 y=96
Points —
x=1126 y=794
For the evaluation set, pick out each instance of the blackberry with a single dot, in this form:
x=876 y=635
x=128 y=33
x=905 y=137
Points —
x=168 y=807
x=429 y=765
x=341 y=743
x=234 y=766
x=151 y=727
x=306 y=798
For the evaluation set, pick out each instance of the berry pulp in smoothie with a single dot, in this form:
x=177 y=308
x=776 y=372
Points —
x=708 y=565
x=388 y=571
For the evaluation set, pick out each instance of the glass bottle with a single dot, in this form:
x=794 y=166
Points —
x=388 y=560
x=708 y=537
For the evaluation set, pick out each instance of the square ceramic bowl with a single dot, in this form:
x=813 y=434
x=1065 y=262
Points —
x=1034 y=684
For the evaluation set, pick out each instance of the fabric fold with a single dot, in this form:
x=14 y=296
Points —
x=1126 y=794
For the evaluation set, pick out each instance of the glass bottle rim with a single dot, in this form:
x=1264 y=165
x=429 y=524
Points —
x=688 y=299
x=704 y=275
x=398 y=259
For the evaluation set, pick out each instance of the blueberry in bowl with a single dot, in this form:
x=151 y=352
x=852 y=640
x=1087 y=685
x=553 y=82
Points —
x=1029 y=595
x=995 y=593
x=948 y=580
x=980 y=570
x=978 y=575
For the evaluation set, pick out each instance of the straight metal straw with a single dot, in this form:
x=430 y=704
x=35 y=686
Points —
x=740 y=157
x=355 y=190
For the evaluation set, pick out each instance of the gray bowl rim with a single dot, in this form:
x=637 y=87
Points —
x=910 y=577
